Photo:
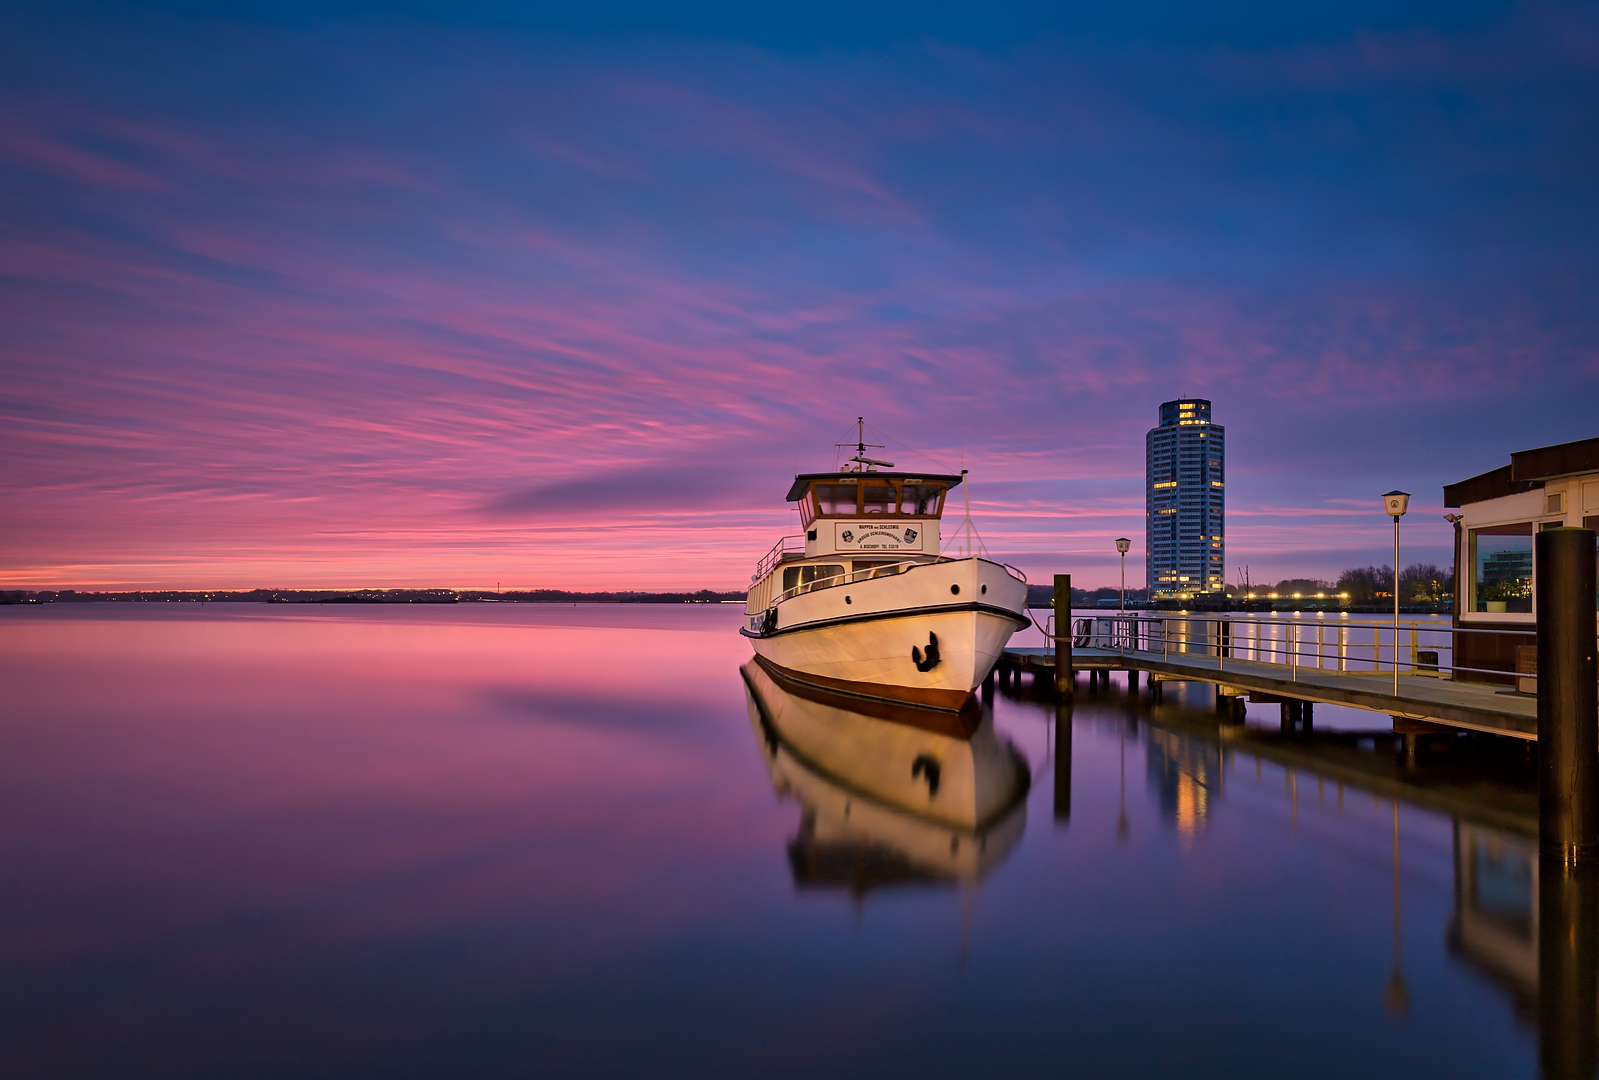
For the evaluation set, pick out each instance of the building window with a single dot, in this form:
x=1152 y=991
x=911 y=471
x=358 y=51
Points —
x=1501 y=561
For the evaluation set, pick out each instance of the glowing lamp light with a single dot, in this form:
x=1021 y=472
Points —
x=1396 y=503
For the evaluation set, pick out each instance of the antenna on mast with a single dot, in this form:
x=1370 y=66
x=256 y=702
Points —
x=860 y=447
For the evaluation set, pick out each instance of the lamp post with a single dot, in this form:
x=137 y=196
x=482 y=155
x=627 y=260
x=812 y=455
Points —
x=1122 y=544
x=1396 y=503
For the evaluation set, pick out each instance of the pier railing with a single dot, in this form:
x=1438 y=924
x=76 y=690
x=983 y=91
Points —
x=1425 y=649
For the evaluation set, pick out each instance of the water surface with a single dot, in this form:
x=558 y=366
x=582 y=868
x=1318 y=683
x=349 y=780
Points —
x=247 y=840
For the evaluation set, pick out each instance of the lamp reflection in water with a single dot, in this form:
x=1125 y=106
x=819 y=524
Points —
x=1396 y=995
x=890 y=794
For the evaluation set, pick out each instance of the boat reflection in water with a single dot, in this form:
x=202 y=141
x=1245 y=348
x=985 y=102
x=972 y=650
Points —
x=891 y=794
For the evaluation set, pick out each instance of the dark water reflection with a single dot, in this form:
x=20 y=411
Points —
x=543 y=841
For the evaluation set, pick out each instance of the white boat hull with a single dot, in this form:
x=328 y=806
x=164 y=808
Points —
x=928 y=636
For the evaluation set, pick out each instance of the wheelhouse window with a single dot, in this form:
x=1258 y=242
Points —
x=877 y=498
x=921 y=500
x=872 y=495
x=1501 y=561
x=836 y=499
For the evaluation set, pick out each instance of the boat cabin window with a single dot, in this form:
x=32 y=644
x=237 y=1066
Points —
x=804 y=575
x=921 y=500
x=1501 y=561
x=836 y=499
x=877 y=499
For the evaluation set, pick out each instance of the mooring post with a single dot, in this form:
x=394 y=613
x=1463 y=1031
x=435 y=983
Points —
x=1063 y=762
x=1568 y=971
x=1064 y=683
x=1568 y=699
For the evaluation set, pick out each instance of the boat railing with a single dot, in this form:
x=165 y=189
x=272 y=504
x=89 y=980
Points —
x=864 y=574
x=1346 y=646
x=772 y=558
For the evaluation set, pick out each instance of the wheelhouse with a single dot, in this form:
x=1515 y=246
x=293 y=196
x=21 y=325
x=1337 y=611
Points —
x=885 y=514
x=868 y=494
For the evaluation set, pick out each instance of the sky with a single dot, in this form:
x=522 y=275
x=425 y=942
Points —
x=560 y=296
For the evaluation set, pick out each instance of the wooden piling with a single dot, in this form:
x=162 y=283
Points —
x=1064 y=683
x=1063 y=761
x=1568 y=698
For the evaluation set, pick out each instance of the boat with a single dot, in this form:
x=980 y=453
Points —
x=892 y=794
x=863 y=602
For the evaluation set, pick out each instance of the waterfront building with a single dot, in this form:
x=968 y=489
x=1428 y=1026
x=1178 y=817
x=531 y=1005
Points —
x=1185 y=503
x=1494 y=564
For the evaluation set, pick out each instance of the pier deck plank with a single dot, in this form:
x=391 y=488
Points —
x=1472 y=706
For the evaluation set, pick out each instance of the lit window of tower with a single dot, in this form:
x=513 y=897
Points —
x=1185 y=501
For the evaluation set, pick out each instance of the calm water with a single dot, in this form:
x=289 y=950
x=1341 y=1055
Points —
x=518 y=840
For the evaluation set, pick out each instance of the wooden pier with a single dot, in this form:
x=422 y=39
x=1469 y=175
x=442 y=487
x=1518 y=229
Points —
x=1422 y=699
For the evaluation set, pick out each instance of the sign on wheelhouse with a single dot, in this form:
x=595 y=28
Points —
x=866 y=604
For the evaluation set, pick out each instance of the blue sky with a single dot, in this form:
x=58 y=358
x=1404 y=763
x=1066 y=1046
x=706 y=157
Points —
x=452 y=294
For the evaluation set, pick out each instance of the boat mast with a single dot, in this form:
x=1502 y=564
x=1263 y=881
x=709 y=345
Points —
x=860 y=449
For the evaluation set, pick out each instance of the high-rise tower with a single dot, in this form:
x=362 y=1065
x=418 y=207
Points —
x=1185 y=499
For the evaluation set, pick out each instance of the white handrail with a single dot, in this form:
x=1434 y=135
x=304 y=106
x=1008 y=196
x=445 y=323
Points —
x=864 y=574
x=1136 y=634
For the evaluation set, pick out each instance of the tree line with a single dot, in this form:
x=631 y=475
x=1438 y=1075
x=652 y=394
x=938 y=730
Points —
x=1418 y=583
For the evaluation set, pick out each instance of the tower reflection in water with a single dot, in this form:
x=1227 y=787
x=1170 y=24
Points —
x=889 y=794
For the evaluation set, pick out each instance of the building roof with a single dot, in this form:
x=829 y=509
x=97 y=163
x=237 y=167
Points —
x=1559 y=460
x=1488 y=485
x=802 y=482
x=1528 y=469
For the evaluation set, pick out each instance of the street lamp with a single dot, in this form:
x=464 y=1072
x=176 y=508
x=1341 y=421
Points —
x=1122 y=544
x=1396 y=503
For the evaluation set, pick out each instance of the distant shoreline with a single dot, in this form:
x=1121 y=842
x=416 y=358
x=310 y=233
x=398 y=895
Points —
x=365 y=596
x=1039 y=596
